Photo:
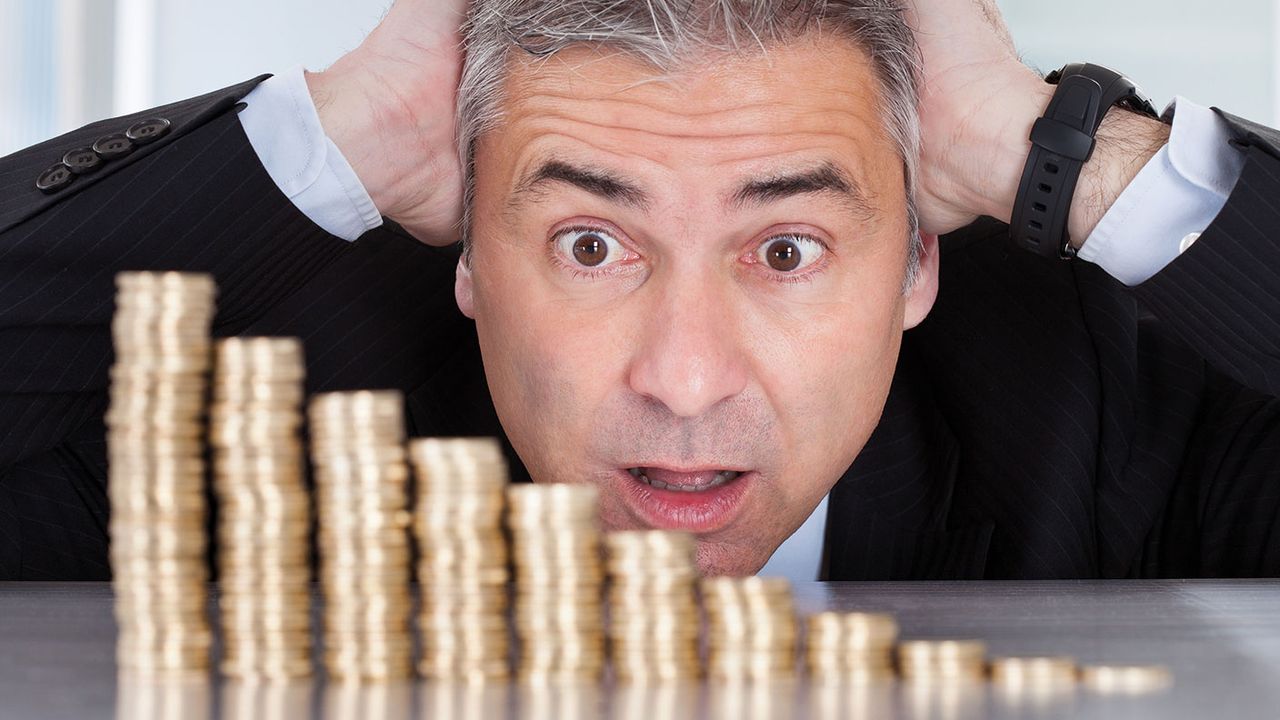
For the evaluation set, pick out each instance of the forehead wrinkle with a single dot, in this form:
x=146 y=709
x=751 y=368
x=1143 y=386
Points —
x=733 y=123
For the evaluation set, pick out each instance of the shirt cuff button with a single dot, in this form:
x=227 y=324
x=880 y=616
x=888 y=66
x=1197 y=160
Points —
x=1187 y=242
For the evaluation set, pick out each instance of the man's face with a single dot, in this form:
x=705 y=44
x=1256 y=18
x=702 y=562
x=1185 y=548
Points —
x=688 y=289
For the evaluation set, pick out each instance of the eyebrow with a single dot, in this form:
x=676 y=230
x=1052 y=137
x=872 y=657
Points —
x=824 y=179
x=593 y=180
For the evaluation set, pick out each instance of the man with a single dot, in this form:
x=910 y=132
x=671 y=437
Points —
x=695 y=235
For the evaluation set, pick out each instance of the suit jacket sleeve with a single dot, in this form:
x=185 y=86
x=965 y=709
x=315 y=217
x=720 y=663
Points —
x=1222 y=296
x=1222 y=299
x=197 y=199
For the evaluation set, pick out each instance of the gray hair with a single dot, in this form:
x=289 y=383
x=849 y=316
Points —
x=667 y=33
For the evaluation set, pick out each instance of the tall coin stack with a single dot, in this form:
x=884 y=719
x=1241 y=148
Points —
x=357 y=449
x=555 y=540
x=264 y=512
x=933 y=661
x=653 y=608
x=462 y=558
x=850 y=646
x=751 y=628
x=155 y=440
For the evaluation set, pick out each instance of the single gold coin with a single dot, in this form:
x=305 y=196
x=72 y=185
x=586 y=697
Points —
x=1126 y=679
x=1033 y=670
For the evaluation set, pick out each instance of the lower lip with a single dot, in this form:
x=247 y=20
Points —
x=697 y=512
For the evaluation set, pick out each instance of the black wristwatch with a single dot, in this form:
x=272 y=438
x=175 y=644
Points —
x=1061 y=143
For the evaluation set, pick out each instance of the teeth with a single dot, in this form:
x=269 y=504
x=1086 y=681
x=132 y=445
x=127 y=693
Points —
x=721 y=478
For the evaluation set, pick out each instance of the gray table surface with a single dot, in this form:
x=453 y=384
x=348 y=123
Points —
x=1220 y=638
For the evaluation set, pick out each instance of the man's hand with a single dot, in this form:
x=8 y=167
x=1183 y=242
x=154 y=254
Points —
x=389 y=107
x=978 y=102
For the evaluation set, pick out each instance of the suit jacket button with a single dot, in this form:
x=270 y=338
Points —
x=82 y=161
x=148 y=131
x=114 y=146
x=54 y=179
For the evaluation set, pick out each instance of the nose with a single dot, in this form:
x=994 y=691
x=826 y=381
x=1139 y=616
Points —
x=690 y=356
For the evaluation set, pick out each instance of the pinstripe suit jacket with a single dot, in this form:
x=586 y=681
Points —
x=1044 y=422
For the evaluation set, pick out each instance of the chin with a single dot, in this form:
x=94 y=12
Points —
x=718 y=558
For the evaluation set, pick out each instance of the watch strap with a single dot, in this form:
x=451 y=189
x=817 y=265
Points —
x=1062 y=141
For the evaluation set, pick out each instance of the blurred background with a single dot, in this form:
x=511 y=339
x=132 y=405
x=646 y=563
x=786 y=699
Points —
x=67 y=62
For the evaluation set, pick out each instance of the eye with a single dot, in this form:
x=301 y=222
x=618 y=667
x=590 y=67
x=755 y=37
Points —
x=589 y=247
x=789 y=253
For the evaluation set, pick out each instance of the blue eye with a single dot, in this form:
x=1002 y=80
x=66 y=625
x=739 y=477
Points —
x=589 y=247
x=789 y=253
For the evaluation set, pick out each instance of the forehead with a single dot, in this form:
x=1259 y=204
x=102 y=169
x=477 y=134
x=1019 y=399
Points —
x=814 y=99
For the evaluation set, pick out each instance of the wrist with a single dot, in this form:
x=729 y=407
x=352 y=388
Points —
x=348 y=119
x=1125 y=142
x=398 y=138
x=1000 y=152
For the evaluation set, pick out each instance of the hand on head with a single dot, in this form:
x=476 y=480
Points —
x=975 y=92
x=389 y=106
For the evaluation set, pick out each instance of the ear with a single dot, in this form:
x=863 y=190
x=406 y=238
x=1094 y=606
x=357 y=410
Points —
x=925 y=291
x=464 y=289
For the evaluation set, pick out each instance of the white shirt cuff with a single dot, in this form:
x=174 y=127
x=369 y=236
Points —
x=284 y=130
x=1175 y=196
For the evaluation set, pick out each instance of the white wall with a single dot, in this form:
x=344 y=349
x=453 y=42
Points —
x=208 y=44
x=1220 y=53
x=66 y=62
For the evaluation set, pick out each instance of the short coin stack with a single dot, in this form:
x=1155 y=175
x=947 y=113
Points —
x=653 y=609
x=361 y=491
x=1032 y=682
x=462 y=564
x=751 y=628
x=1126 y=679
x=942 y=660
x=555 y=540
x=850 y=646
x=264 y=512
x=155 y=441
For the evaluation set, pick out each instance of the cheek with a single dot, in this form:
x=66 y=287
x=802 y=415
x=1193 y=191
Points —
x=547 y=366
x=828 y=372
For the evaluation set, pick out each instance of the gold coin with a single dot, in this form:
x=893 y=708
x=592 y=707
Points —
x=737 y=587
x=1033 y=670
x=1126 y=679
x=272 y=669
x=552 y=499
x=941 y=651
x=850 y=631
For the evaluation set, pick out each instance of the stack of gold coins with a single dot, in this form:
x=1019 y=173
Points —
x=751 y=628
x=653 y=609
x=555 y=543
x=357 y=449
x=1126 y=679
x=1033 y=682
x=942 y=660
x=462 y=557
x=155 y=440
x=264 y=509
x=850 y=646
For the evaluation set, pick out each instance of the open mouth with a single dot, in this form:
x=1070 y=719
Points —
x=698 y=501
x=691 y=482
